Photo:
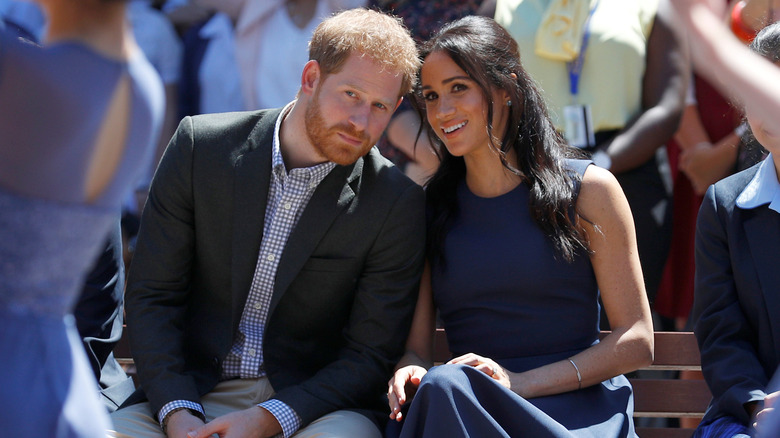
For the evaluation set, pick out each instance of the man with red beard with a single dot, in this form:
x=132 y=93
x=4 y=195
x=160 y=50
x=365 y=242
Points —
x=279 y=256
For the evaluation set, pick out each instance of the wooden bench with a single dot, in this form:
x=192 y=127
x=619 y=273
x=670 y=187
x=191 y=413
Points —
x=656 y=397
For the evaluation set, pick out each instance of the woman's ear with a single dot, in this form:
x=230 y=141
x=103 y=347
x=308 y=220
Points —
x=508 y=98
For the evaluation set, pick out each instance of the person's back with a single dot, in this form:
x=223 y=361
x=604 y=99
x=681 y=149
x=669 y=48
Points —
x=76 y=123
x=76 y=94
x=72 y=169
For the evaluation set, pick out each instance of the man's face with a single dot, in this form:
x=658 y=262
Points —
x=350 y=109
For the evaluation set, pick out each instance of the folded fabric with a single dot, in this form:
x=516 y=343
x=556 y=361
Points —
x=559 y=36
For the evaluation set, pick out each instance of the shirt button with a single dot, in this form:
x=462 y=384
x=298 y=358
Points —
x=287 y=205
x=258 y=305
x=270 y=257
x=251 y=352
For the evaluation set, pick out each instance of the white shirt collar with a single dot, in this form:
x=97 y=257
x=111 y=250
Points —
x=762 y=189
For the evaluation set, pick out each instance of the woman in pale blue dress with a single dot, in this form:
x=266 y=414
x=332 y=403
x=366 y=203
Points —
x=78 y=120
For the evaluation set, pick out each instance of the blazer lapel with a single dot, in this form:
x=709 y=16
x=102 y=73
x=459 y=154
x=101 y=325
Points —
x=332 y=196
x=762 y=229
x=250 y=195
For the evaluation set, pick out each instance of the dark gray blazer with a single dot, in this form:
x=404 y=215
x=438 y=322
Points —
x=345 y=288
x=737 y=296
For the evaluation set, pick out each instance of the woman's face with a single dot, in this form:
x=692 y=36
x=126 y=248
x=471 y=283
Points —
x=456 y=109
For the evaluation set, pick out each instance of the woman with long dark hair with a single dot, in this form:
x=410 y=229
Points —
x=522 y=237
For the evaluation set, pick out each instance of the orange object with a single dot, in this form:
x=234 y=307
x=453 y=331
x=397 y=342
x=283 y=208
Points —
x=738 y=26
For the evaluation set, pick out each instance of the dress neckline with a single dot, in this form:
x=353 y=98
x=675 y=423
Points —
x=465 y=188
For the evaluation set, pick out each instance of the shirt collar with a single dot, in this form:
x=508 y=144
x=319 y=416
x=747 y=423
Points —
x=314 y=173
x=762 y=189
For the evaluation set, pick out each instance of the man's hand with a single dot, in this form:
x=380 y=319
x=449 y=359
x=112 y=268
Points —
x=181 y=423
x=254 y=422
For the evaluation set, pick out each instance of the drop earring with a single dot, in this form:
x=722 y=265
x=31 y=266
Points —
x=508 y=103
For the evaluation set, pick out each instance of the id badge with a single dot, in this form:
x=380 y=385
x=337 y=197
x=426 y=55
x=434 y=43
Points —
x=579 y=126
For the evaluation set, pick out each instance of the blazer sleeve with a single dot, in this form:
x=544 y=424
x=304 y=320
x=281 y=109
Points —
x=159 y=278
x=729 y=360
x=379 y=320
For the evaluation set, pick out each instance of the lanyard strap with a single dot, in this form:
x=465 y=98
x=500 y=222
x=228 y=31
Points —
x=575 y=67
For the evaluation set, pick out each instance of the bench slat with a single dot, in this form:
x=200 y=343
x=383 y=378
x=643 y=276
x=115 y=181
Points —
x=122 y=347
x=663 y=432
x=441 y=351
x=670 y=397
x=673 y=350
x=676 y=351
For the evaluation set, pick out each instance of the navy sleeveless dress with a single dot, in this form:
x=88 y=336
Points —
x=505 y=294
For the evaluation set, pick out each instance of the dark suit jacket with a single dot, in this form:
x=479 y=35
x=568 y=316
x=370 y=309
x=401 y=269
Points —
x=345 y=287
x=737 y=296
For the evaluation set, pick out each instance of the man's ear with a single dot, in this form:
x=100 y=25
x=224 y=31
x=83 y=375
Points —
x=310 y=78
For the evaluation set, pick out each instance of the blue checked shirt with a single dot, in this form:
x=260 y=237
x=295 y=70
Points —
x=288 y=195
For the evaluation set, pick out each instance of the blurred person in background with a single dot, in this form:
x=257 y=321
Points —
x=79 y=118
x=271 y=43
x=614 y=76
x=401 y=142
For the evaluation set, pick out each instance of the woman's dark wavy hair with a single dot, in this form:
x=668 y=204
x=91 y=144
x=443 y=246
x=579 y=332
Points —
x=489 y=55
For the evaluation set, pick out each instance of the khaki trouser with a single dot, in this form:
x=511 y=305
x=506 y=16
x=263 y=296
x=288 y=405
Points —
x=136 y=421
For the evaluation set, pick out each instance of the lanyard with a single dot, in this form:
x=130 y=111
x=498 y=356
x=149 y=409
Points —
x=575 y=67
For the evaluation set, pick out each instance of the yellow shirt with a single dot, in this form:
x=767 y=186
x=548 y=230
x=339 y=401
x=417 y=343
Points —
x=614 y=65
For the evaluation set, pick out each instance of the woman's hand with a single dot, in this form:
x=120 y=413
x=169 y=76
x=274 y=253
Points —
x=486 y=365
x=404 y=381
